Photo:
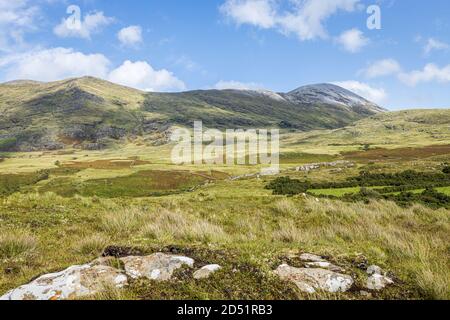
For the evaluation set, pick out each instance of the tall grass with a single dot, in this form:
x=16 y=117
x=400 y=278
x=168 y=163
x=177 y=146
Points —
x=413 y=241
x=163 y=225
x=16 y=243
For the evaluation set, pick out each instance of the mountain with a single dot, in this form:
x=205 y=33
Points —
x=91 y=113
x=326 y=93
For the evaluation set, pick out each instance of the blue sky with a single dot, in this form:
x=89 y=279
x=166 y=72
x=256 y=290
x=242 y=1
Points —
x=174 y=45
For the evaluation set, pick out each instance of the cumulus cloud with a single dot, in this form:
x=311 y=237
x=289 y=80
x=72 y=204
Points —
x=434 y=45
x=141 y=75
x=91 y=23
x=381 y=68
x=236 y=85
x=260 y=13
x=130 y=36
x=352 y=40
x=16 y=18
x=305 y=18
x=431 y=72
x=54 y=64
x=377 y=95
x=61 y=63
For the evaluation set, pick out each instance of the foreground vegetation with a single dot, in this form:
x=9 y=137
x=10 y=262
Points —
x=225 y=224
x=68 y=207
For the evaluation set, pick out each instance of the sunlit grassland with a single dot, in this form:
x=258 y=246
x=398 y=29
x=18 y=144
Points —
x=251 y=226
x=236 y=223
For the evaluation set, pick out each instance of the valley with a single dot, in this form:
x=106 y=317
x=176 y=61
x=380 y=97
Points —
x=100 y=180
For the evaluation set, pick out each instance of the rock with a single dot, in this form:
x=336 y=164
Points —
x=378 y=279
x=378 y=282
x=373 y=269
x=365 y=294
x=72 y=283
x=324 y=265
x=310 y=280
x=158 y=266
x=206 y=271
x=311 y=258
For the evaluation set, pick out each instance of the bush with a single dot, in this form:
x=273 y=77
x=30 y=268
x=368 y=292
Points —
x=288 y=186
x=8 y=144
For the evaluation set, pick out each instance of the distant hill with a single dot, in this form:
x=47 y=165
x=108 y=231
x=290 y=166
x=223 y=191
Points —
x=91 y=113
x=410 y=128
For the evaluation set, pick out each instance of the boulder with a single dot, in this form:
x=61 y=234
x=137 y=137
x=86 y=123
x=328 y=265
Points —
x=74 y=282
x=378 y=279
x=206 y=271
x=378 y=282
x=311 y=258
x=373 y=269
x=310 y=280
x=158 y=266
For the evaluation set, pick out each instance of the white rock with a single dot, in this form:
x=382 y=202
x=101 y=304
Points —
x=310 y=280
x=206 y=271
x=311 y=258
x=378 y=282
x=72 y=283
x=158 y=266
x=373 y=269
x=324 y=265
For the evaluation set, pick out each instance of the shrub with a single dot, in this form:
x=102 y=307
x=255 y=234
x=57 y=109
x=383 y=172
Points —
x=288 y=186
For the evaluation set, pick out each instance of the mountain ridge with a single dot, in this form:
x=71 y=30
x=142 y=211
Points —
x=92 y=113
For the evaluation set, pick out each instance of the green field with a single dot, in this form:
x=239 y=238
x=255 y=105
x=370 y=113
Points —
x=63 y=208
x=334 y=192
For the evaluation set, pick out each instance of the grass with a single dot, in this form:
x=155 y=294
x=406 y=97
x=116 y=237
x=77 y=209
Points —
x=16 y=244
x=445 y=190
x=339 y=192
x=140 y=184
x=98 y=199
x=249 y=230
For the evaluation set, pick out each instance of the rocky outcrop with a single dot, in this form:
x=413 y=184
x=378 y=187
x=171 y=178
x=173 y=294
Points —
x=206 y=271
x=319 y=274
x=158 y=266
x=89 y=279
x=311 y=280
x=74 y=282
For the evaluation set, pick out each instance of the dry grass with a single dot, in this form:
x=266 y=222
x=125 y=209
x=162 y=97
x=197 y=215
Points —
x=414 y=240
x=16 y=243
x=92 y=245
x=162 y=226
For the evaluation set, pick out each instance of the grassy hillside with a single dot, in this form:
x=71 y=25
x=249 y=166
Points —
x=92 y=114
x=412 y=128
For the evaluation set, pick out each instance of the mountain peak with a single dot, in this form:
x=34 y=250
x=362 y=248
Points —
x=331 y=94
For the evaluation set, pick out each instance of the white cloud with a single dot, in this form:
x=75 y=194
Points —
x=16 y=18
x=54 y=64
x=236 y=85
x=431 y=72
x=433 y=45
x=260 y=13
x=381 y=68
x=305 y=18
x=377 y=95
x=141 y=75
x=92 y=23
x=130 y=36
x=352 y=40
x=61 y=63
